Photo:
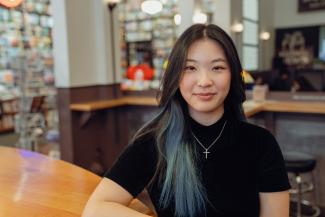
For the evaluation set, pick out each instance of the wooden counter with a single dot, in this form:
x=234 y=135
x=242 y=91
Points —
x=107 y=104
x=294 y=106
x=250 y=107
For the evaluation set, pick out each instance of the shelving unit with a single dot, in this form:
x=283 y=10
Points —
x=30 y=31
x=26 y=62
x=157 y=33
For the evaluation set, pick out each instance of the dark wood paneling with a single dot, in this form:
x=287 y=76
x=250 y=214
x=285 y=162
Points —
x=66 y=124
x=82 y=142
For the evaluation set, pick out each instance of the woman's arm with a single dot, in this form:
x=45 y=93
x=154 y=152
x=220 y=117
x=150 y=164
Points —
x=110 y=200
x=144 y=204
x=274 y=204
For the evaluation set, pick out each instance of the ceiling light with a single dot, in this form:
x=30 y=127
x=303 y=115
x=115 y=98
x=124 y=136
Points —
x=151 y=6
x=237 y=27
x=265 y=35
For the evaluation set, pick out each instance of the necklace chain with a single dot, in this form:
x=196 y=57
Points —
x=206 y=152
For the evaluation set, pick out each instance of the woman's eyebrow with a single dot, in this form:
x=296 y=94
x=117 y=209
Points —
x=212 y=61
x=191 y=60
x=218 y=60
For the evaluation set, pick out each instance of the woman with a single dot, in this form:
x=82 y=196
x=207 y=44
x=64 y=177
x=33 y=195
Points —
x=198 y=157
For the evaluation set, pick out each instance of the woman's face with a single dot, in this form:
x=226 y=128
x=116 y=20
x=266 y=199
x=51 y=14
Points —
x=206 y=78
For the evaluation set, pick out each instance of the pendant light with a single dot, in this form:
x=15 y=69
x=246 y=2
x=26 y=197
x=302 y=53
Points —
x=112 y=3
x=151 y=6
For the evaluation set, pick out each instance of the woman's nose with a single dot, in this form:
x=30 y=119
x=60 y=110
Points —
x=204 y=79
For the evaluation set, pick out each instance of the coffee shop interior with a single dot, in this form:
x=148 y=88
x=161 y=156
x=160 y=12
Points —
x=79 y=77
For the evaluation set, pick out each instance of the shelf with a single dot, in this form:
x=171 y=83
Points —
x=8 y=100
x=154 y=19
x=6 y=130
x=9 y=113
x=136 y=28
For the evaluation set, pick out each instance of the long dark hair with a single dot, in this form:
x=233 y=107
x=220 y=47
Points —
x=176 y=167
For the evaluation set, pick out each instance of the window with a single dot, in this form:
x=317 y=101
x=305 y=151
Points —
x=250 y=34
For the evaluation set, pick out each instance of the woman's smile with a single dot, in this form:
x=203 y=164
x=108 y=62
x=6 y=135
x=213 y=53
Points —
x=205 y=96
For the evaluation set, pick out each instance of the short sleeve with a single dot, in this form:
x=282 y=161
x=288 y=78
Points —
x=135 y=167
x=273 y=176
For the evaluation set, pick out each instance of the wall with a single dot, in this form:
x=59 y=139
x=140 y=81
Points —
x=267 y=11
x=221 y=17
x=236 y=14
x=282 y=14
x=286 y=15
x=81 y=35
x=60 y=44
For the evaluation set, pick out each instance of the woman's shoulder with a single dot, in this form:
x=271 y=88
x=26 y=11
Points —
x=252 y=130
x=261 y=137
x=143 y=142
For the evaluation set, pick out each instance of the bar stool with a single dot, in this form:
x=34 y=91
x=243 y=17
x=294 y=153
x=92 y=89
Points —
x=299 y=163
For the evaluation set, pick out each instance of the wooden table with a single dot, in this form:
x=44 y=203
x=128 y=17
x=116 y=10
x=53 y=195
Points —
x=34 y=185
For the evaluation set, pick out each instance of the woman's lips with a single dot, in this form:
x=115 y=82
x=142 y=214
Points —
x=205 y=96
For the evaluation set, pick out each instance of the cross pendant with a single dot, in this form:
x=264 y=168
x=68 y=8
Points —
x=206 y=152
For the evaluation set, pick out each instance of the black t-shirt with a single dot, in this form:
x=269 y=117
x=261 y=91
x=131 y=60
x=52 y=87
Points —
x=245 y=160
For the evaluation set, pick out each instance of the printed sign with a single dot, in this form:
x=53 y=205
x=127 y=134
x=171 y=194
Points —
x=297 y=46
x=311 y=5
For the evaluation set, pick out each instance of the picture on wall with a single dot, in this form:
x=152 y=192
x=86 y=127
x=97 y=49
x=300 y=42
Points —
x=297 y=46
x=310 y=5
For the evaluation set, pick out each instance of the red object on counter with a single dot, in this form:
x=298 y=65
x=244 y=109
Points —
x=133 y=71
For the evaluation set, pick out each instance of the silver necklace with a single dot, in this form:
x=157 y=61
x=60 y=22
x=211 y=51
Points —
x=206 y=152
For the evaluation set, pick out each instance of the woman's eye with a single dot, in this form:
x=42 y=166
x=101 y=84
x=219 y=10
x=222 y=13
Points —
x=218 y=68
x=189 y=68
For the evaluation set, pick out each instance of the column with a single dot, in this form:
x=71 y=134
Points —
x=186 y=10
